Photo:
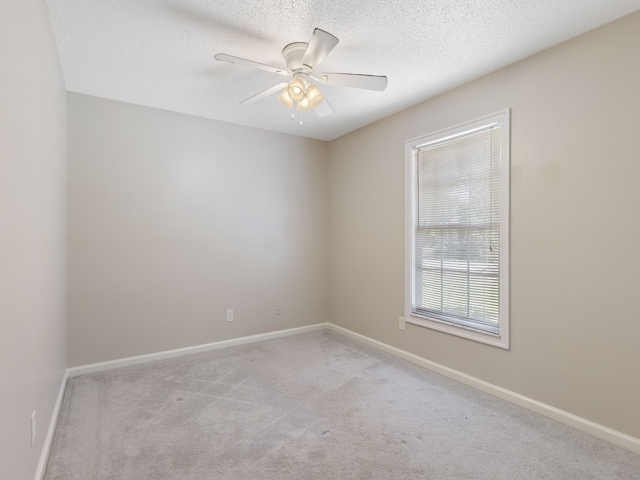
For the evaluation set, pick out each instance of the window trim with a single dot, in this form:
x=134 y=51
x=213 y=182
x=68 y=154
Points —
x=502 y=338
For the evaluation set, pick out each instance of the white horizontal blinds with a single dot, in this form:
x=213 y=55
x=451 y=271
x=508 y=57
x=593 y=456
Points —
x=457 y=233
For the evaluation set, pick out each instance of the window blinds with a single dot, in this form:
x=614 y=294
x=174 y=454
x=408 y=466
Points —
x=457 y=230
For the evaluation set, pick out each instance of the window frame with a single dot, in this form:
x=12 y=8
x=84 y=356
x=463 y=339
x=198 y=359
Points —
x=502 y=338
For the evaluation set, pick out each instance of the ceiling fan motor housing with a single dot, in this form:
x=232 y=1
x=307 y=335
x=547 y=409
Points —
x=293 y=54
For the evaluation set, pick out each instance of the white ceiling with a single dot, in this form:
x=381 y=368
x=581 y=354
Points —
x=159 y=53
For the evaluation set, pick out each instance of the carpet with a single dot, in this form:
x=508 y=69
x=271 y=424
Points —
x=312 y=406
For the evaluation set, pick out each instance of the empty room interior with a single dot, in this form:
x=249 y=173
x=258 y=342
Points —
x=218 y=259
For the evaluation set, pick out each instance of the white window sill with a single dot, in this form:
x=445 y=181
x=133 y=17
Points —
x=460 y=331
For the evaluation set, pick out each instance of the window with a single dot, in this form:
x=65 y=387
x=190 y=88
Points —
x=458 y=230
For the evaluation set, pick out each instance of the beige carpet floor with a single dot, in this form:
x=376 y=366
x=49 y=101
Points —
x=310 y=406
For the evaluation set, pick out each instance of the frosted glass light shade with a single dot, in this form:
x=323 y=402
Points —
x=285 y=98
x=314 y=96
x=305 y=97
x=296 y=90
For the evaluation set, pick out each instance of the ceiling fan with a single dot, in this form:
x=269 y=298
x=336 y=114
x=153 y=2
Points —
x=302 y=59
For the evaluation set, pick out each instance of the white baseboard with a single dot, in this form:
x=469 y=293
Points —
x=152 y=357
x=46 y=448
x=600 y=431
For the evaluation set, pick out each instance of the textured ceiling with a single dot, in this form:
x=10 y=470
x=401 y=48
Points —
x=159 y=53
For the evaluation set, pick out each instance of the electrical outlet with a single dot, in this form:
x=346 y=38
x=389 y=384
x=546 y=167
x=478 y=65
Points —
x=230 y=315
x=33 y=428
x=278 y=309
x=401 y=323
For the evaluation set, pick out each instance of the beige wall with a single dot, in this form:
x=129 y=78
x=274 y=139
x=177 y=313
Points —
x=173 y=219
x=575 y=227
x=32 y=232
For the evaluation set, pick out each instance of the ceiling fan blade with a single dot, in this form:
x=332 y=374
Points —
x=324 y=109
x=264 y=94
x=250 y=63
x=320 y=45
x=368 y=82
